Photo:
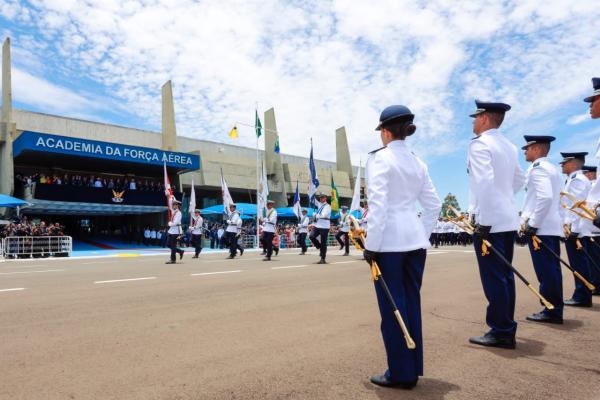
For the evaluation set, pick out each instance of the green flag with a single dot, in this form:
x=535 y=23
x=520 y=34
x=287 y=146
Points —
x=335 y=203
x=258 y=125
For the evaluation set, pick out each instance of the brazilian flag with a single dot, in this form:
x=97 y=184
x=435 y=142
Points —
x=335 y=199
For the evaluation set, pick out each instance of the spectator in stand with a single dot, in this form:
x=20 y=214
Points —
x=220 y=235
x=110 y=184
x=153 y=237
x=147 y=236
x=98 y=182
x=132 y=185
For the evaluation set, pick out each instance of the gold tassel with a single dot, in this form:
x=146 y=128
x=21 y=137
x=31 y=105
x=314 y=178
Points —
x=484 y=249
x=534 y=241
x=578 y=245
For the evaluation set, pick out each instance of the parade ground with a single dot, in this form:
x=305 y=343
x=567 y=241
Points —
x=131 y=327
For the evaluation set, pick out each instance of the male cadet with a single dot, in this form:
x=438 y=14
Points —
x=397 y=239
x=234 y=223
x=344 y=228
x=174 y=231
x=541 y=217
x=494 y=178
x=590 y=173
x=269 y=225
x=302 y=231
x=320 y=231
x=196 y=228
x=364 y=217
x=578 y=185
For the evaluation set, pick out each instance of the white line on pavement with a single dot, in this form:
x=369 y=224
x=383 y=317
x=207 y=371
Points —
x=30 y=272
x=346 y=262
x=127 y=280
x=98 y=262
x=290 y=266
x=216 y=273
x=12 y=289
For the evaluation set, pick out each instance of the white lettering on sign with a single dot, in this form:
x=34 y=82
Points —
x=109 y=150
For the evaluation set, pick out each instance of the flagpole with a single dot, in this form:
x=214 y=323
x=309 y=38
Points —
x=257 y=173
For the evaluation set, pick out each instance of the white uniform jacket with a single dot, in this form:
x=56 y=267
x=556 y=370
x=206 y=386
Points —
x=594 y=195
x=270 y=221
x=364 y=219
x=494 y=177
x=303 y=225
x=541 y=208
x=175 y=223
x=579 y=186
x=197 y=225
x=234 y=223
x=323 y=216
x=345 y=222
x=396 y=180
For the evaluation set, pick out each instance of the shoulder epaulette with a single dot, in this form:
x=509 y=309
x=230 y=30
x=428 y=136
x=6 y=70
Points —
x=574 y=175
x=536 y=164
x=375 y=151
x=476 y=137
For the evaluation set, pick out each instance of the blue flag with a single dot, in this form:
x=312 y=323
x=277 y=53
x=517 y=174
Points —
x=296 y=206
x=314 y=179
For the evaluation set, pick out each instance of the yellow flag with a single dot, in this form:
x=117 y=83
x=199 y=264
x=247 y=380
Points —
x=233 y=133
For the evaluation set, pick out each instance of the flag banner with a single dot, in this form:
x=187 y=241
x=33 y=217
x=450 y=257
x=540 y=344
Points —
x=192 y=206
x=227 y=200
x=356 y=196
x=233 y=133
x=314 y=179
x=168 y=190
x=297 y=207
x=335 y=200
x=257 y=125
x=263 y=191
x=276 y=149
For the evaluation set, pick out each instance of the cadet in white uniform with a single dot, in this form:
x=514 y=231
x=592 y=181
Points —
x=302 y=231
x=344 y=228
x=320 y=229
x=196 y=228
x=494 y=178
x=579 y=186
x=541 y=217
x=364 y=217
x=269 y=226
x=397 y=239
x=592 y=232
x=234 y=224
x=174 y=231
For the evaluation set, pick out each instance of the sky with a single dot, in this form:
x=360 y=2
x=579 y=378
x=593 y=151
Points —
x=320 y=64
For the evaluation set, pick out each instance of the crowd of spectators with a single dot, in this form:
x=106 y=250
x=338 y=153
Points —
x=30 y=228
x=110 y=182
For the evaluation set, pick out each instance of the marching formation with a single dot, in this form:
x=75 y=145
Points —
x=394 y=236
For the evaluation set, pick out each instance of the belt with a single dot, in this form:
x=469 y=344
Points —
x=271 y=223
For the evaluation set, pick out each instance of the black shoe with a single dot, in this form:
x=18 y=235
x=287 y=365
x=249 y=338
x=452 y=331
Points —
x=181 y=254
x=574 y=303
x=346 y=254
x=322 y=261
x=231 y=257
x=381 y=380
x=341 y=247
x=543 y=317
x=492 y=341
x=195 y=256
x=267 y=259
x=303 y=253
x=241 y=252
x=171 y=262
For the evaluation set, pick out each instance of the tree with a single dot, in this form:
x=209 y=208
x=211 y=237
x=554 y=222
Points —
x=449 y=200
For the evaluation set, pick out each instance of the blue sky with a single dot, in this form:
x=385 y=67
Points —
x=321 y=64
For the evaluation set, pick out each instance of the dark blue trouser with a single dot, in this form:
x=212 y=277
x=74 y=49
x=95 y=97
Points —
x=403 y=273
x=172 y=243
x=594 y=251
x=318 y=237
x=579 y=262
x=547 y=270
x=498 y=283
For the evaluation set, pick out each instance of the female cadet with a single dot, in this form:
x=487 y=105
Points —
x=397 y=239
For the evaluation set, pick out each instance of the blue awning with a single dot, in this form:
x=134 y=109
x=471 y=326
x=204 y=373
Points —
x=11 y=202
x=78 y=208
x=244 y=209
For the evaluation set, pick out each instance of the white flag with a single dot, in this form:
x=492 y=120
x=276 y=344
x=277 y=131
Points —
x=227 y=200
x=263 y=193
x=356 y=197
x=192 y=207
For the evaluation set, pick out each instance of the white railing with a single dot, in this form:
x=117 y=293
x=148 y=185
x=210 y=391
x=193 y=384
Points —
x=42 y=246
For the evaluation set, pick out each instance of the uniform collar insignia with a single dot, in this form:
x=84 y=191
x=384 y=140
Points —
x=375 y=151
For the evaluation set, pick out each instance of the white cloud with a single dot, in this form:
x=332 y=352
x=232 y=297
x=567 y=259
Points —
x=579 y=118
x=323 y=64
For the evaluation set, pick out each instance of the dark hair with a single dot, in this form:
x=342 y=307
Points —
x=401 y=128
x=496 y=118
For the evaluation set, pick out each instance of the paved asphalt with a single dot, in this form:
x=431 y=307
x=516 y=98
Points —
x=135 y=328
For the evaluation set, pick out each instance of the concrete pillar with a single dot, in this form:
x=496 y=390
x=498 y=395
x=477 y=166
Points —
x=342 y=152
x=277 y=191
x=169 y=132
x=7 y=128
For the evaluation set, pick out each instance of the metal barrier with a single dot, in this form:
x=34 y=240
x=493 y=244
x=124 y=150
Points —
x=37 y=246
